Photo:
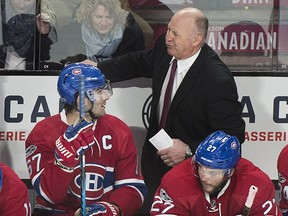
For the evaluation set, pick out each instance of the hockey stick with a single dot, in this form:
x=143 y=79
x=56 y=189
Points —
x=82 y=154
x=250 y=199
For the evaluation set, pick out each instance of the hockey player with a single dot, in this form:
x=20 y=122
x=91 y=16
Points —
x=283 y=179
x=216 y=181
x=113 y=181
x=14 y=197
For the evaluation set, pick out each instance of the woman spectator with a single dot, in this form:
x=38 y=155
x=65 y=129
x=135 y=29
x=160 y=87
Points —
x=107 y=31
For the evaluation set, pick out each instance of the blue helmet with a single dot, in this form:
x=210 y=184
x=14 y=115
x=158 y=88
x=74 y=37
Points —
x=68 y=81
x=218 y=151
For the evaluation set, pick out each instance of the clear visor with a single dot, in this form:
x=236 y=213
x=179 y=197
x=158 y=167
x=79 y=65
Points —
x=199 y=169
x=206 y=171
x=107 y=88
x=101 y=92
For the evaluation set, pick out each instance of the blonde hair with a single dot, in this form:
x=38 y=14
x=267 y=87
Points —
x=83 y=14
x=46 y=7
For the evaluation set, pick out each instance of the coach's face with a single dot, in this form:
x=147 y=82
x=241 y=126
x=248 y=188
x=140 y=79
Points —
x=182 y=37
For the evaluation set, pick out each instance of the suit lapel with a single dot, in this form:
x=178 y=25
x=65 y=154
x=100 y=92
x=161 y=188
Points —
x=187 y=84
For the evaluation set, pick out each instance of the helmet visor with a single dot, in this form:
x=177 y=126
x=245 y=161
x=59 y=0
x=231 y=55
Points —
x=206 y=171
x=107 y=88
x=100 y=92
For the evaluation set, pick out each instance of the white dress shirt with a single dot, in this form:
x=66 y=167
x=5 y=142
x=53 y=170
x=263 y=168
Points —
x=182 y=68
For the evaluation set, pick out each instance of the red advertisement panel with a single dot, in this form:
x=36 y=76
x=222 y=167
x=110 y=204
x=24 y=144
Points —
x=242 y=37
x=248 y=37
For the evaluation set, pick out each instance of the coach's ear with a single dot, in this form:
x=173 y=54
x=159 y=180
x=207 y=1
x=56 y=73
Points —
x=198 y=40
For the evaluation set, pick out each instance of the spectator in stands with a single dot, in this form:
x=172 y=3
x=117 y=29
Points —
x=107 y=31
x=14 y=197
x=19 y=19
x=283 y=179
x=216 y=181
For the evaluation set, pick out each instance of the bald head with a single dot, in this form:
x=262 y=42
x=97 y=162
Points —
x=186 y=33
x=187 y=15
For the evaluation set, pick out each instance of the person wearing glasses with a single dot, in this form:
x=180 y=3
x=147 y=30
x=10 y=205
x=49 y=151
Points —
x=216 y=181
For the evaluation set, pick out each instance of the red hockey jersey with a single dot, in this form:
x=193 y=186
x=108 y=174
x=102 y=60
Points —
x=180 y=193
x=282 y=166
x=14 y=197
x=112 y=172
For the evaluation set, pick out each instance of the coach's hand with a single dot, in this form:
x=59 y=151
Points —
x=100 y=209
x=75 y=140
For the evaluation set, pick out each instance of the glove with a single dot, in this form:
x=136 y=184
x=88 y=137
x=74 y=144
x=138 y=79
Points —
x=74 y=141
x=100 y=209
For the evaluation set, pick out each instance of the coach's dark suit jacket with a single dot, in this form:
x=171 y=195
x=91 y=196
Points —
x=206 y=100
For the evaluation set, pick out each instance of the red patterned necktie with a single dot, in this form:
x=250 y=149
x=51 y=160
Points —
x=168 y=93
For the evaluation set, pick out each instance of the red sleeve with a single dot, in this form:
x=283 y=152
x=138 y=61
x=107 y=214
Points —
x=167 y=201
x=283 y=177
x=44 y=173
x=264 y=202
x=176 y=187
x=14 y=197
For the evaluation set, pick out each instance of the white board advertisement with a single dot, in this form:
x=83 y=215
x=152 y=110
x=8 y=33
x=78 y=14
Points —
x=29 y=99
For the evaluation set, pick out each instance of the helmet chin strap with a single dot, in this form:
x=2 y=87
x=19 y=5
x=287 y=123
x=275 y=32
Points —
x=90 y=111
x=92 y=114
x=91 y=97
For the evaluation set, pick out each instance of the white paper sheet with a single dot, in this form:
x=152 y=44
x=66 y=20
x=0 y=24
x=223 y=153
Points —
x=161 y=140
